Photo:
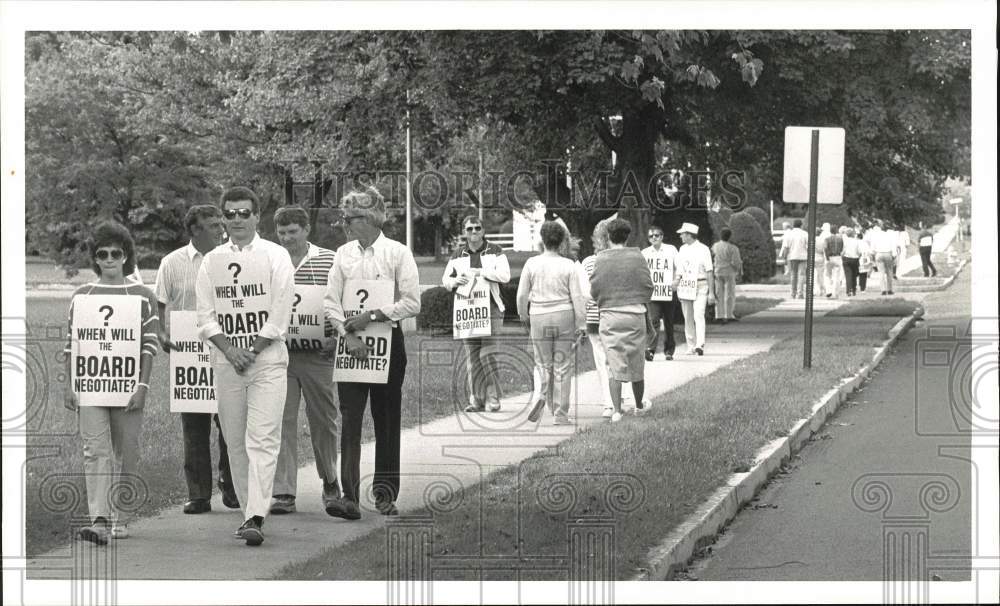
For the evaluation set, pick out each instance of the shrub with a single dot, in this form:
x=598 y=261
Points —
x=756 y=248
x=436 y=309
x=764 y=219
x=718 y=220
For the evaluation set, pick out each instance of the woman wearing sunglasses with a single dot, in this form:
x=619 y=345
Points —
x=110 y=435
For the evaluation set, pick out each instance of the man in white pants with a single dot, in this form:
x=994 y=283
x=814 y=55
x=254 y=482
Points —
x=695 y=286
x=250 y=359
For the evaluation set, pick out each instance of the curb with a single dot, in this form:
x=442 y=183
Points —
x=702 y=526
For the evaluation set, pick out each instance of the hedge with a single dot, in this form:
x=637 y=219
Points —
x=436 y=309
x=764 y=219
x=756 y=247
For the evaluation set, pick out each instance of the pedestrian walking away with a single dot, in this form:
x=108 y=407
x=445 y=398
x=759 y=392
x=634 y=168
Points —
x=728 y=266
x=479 y=263
x=175 y=292
x=851 y=255
x=371 y=259
x=833 y=275
x=925 y=244
x=107 y=378
x=795 y=252
x=885 y=245
x=695 y=286
x=245 y=293
x=310 y=367
x=661 y=259
x=622 y=285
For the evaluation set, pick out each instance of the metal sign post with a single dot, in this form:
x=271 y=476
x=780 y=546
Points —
x=824 y=174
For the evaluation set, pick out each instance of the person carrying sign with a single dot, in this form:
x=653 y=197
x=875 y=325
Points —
x=695 y=286
x=175 y=293
x=479 y=263
x=660 y=258
x=108 y=391
x=309 y=369
x=244 y=290
x=369 y=262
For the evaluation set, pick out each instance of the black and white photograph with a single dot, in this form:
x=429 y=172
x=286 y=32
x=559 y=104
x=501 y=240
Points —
x=499 y=302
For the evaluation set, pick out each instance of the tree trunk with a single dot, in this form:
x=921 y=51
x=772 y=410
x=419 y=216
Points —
x=636 y=164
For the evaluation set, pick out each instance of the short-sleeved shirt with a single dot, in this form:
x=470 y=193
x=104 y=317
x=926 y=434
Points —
x=150 y=320
x=694 y=258
x=314 y=270
x=176 y=277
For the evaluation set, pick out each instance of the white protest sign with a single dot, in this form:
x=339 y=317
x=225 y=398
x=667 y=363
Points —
x=305 y=328
x=798 y=161
x=471 y=316
x=661 y=269
x=106 y=342
x=687 y=286
x=241 y=284
x=192 y=380
x=365 y=296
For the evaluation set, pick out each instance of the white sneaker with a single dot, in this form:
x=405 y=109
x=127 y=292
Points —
x=615 y=417
x=119 y=531
x=646 y=405
x=608 y=411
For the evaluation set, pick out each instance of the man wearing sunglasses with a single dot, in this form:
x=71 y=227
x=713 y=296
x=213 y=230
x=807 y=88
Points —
x=249 y=381
x=482 y=260
x=175 y=291
x=660 y=258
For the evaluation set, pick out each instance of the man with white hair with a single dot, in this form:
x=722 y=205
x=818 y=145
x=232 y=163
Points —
x=371 y=256
x=695 y=286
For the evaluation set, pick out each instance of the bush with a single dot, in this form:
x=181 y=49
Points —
x=718 y=220
x=756 y=248
x=761 y=216
x=436 y=309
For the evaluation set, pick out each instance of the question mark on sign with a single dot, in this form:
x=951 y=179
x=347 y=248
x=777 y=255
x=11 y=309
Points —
x=298 y=299
x=110 y=312
x=236 y=272
x=364 y=297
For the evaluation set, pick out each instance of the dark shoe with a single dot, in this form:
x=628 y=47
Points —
x=197 y=506
x=699 y=351
x=883 y=293
x=649 y=355
x=734 y=319
x=283 y=503
x=668 y=356
x=331 y=494
x=343 y=508
x=251 y=533
x=97 y=533
x=723 y=321
x=474 y=408
x=536 y=411
x=386 y=508
x=229 y=498
x=890 y=292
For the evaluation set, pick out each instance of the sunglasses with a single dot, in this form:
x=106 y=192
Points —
x=655 y=235
x=474 y=228
x=116 y=255
x=243 y=213
x=346 y=219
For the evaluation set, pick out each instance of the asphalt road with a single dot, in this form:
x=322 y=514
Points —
x=872 y=478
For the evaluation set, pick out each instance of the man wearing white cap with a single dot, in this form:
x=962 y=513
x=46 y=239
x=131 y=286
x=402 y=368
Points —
x=695 y=286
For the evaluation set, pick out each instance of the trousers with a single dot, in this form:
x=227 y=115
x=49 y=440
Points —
x=694 y=317
x=481 y=365
x=725 y=295
x=111 y=460
x=310 y=376
x=250 y=411
x=197 y=430
x=552 y=343
x=925 y=261
x=851 y=266
x=797 y=269
x=662 y=310
x=833 y=274
x=386 y=406
x=887 y=268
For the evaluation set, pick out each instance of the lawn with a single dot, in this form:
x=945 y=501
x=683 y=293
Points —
x=642 y=477
x=54 y=488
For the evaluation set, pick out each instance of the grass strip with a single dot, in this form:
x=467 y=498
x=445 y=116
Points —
x=895 y=307
x=668 y=461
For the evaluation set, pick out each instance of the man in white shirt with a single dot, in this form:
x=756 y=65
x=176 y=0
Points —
x=369 y=255
x=175 y=288
x=660 y=258
x=246 y=322
x=795 y=252
x=885 y=246
x=695 y=286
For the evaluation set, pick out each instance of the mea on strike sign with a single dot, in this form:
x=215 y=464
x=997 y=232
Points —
x=241 y=288
x=192 y=380
x=365 y=296
x=661 y=270
x=798 y=161
x=306 y=326
x=105 y=342
x=471 y=315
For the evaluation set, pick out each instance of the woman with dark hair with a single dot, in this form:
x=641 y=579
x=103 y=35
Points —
x=110 y=434
x=551 y=305
x=621 y=285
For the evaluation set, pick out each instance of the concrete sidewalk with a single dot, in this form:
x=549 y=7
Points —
x=449 y=453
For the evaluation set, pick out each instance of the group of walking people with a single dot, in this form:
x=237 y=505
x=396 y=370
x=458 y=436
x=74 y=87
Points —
x=845 y=258
x=260 y=375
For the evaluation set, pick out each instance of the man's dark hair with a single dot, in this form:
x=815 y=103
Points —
x=238 y=194
x=797 y=223
x=474 y=219
x=725 y=234
x=109 y=234
x=286 y=215
x=552 y=234
x=198 y=212
x=619 y=231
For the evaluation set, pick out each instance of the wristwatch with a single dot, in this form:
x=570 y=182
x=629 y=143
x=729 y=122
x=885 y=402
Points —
x=372 y=317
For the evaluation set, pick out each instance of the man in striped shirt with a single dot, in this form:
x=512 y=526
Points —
x=310 y=371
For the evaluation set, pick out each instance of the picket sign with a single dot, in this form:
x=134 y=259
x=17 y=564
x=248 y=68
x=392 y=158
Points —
x=365 y=296
x=241 y=288
x=105 y=345
x=305 y=327
x=687 y=287
x=192 y=380
x=471 y=316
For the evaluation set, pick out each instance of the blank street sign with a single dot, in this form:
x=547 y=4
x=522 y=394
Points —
x=798 y=150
